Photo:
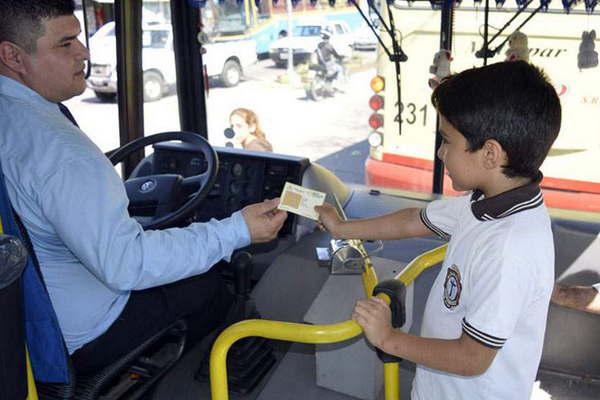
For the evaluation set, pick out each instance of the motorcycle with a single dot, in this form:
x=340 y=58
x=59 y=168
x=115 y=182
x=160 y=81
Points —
x=323 y=83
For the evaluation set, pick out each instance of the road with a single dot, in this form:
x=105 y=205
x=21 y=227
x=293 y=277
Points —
x=293 y=124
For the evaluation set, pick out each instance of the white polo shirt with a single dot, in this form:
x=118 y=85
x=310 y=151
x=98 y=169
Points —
x=495 y=286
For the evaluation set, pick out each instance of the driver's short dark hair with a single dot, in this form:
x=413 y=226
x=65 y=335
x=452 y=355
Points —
x=21 y=20
x=512 y=102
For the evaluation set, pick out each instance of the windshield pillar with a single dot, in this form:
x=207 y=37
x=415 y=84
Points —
x=188 y=64
x=128 y=31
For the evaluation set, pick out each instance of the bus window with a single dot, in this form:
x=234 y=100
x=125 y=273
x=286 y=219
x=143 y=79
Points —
x=250 y=71
x=405 y=160
x=96 y=110
x=161 y=108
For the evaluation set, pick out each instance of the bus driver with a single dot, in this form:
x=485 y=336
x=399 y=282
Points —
x=111 y=283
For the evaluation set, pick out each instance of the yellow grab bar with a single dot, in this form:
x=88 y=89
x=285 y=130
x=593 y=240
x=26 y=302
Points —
x=278 y=330
x=315 y=334
x=369 y=277
x=421 y=263
x=293 y=332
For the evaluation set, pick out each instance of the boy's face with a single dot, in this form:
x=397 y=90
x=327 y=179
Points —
x=463 y=167
x=56 y=70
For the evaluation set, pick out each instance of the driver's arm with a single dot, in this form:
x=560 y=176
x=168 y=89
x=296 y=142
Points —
x=85 y=201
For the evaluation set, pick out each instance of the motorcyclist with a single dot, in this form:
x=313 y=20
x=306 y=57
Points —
x=328 y=57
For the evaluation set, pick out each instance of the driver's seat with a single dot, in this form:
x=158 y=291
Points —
x=130 y=376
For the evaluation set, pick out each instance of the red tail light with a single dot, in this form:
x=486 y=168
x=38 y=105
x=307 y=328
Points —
x=376 y=121
x=376 y=102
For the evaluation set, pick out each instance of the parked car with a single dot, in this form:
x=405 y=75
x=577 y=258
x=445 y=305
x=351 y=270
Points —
x=306 y=38
x=223 y=60
x=364 y=38
x=227 y=60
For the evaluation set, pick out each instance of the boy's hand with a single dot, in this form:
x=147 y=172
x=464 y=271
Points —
x=374 y=316
x=264 y=220
x=329 y=220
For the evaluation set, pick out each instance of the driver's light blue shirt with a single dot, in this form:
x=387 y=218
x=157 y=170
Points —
x=74 y=205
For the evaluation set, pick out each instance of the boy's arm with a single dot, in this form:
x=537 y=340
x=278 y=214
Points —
x=462 y=356
x=401 y=224
x=584 y=298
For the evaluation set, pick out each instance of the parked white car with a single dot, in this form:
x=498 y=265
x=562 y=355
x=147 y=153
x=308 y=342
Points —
x=306 y=38
x=224 y=60
x=364 y=38
x=227 y=60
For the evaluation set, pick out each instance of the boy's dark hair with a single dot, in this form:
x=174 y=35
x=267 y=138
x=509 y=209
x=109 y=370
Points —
x=511 y=102
x=21 y=20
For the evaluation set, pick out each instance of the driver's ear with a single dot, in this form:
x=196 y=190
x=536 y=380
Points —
x=11 y=56
x=252 y=128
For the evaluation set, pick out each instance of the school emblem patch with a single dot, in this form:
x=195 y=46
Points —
x=452 y=287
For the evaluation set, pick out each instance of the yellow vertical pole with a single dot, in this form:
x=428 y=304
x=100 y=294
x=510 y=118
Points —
x=391 y=381
x=31 y=390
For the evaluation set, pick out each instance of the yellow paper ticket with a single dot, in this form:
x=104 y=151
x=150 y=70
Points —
x=300 y=200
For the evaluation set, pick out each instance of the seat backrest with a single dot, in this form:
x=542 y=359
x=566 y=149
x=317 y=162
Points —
x=47 y=350
x=13 y=371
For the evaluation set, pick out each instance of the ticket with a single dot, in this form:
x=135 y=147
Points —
x=300 y=200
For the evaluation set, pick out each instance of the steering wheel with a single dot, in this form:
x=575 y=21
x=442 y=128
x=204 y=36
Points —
x=167 y=191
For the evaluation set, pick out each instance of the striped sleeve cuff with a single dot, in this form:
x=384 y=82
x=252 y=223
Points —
x=482 y=337
x=432 y=227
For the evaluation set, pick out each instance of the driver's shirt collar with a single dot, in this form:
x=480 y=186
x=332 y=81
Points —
x=11 y=88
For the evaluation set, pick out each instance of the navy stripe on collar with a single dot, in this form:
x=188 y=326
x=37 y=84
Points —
x=507 y=203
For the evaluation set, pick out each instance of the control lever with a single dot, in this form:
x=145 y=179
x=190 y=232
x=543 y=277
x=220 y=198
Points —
x=241 y=262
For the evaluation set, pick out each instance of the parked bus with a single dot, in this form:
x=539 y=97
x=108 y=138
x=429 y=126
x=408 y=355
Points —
x=405 y=160
x=266 y=21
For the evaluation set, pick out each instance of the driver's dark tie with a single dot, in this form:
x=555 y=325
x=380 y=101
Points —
x=63 y=109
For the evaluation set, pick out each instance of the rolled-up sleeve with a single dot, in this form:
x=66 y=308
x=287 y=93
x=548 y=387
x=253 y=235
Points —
x=86 y=202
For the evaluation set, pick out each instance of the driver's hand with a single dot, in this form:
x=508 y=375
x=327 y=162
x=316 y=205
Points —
x=264 y=220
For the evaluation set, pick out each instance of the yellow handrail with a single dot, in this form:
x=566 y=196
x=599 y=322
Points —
x=278 y=330
x=421 y=263
x=302 y=333
x=314 y=334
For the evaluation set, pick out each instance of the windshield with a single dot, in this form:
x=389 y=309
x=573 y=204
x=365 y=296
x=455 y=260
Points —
x=377 y=139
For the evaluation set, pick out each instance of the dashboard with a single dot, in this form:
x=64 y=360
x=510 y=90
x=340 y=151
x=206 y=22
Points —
x=244 y=177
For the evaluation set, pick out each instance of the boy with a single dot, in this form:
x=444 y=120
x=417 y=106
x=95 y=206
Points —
x=484 y=322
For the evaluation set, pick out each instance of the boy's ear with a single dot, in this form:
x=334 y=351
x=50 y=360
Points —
x=11 y=56
x=494 y=155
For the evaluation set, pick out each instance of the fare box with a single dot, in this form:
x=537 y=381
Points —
x=300 y=200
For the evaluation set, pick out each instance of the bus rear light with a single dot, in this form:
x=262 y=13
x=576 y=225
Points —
x=377 y=84
x=375 y=139
x=376 y=102
x=376 y=121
